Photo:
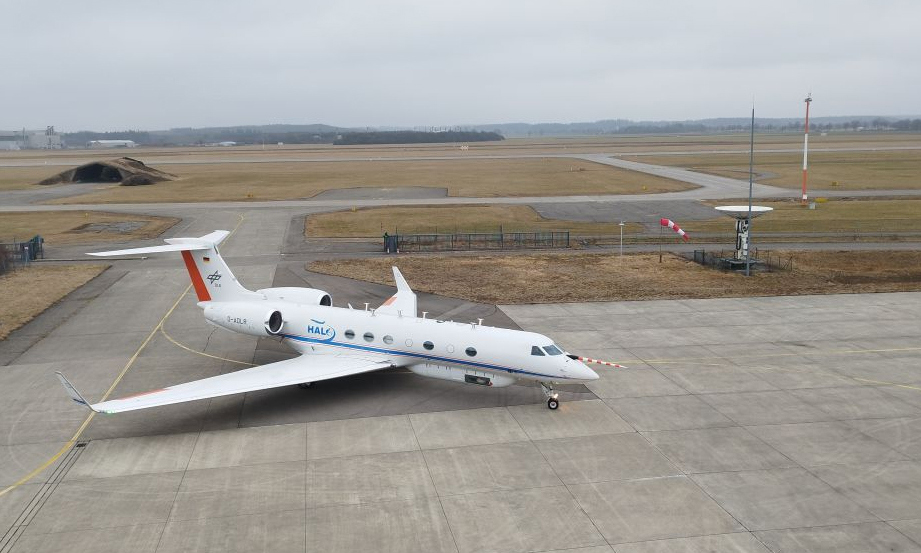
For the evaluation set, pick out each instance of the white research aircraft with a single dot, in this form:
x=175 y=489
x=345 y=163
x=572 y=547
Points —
x=335 y=341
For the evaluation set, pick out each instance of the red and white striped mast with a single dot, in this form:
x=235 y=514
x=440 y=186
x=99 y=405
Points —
x=806 y=145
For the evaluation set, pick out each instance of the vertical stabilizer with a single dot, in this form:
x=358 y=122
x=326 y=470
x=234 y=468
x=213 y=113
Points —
x=211 y=277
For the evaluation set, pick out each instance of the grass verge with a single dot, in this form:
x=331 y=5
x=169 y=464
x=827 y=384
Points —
x=26 y=293
x=862 y=170
x=80 y=227
x=372 y=222
x=551 y=278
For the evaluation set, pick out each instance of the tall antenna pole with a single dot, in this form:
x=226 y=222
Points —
x=806 y=146
x=751 y=180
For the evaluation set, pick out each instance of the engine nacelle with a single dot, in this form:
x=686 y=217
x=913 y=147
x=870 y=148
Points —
x=303 y=296
x=459 y=374
x=246 y=317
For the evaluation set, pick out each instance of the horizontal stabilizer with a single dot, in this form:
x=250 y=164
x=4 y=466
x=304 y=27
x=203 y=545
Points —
x=205 y=242
x=154 y=249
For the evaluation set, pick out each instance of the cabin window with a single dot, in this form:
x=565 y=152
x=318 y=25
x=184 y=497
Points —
x=428 y=345
x=388 y=339
x=409 y=342
x=350 y=334
x=471 y=352
x=552 y=350
x=536 y=351
x=368 y=337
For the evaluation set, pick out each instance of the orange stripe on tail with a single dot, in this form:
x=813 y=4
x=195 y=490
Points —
x=200 y=290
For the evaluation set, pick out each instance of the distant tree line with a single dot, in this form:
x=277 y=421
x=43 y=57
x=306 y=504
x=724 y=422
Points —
x=415 y=137
x=325 y=134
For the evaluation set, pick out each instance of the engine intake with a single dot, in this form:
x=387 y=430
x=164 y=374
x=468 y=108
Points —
x=274 y=324
x=253 y=318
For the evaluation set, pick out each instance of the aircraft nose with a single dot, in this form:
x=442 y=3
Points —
x=585 y=373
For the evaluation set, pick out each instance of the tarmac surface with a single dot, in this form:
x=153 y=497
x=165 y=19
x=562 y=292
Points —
x=757 y=424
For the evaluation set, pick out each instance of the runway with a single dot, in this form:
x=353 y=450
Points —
x=757 y=424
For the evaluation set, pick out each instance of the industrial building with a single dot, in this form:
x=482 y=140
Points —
x=47 y=139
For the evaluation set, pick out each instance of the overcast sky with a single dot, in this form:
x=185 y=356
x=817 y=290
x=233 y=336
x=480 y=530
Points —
x=113 y=65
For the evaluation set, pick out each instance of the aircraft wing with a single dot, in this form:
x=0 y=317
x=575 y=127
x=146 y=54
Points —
x=403 y=302
x=306 y=368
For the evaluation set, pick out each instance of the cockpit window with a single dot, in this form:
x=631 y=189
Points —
x=552 y=350
x=536 y=351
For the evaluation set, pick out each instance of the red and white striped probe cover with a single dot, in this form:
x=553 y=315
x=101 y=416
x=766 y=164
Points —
x=671 y=224
x=599 y=362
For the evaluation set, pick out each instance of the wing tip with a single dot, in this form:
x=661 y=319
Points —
x=75 y=395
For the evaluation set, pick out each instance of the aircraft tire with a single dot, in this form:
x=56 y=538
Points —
x=553 y=403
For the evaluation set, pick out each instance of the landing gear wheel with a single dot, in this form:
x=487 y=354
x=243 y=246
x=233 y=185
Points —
x=305 y=385
x=553 y=403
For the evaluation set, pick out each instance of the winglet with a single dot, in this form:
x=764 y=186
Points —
x=72 y=392
x=402 y=285
x=401 y=303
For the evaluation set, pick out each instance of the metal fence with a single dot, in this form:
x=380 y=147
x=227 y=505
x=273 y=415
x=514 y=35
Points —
x=14 y=254
x=761 y=260
x=478 y=241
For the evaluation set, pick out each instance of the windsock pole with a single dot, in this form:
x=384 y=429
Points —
x=806 y=147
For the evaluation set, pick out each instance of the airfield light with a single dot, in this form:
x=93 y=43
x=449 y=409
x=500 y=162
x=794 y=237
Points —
x=806 y=145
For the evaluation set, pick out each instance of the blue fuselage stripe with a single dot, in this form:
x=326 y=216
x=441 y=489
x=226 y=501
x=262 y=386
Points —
x=402 y=353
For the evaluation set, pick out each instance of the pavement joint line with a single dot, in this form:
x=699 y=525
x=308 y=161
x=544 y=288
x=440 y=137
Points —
x=789 y=370
x=792 y=354
x=92 y=414
x=888 y=383
x=38 y=500
x=70 y=443
x=428 y=471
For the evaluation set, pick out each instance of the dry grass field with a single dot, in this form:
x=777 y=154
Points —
x=373 y=222
x=25 y=293
x=463 y=178
x=81 y=227
x=21 y=178
x=833 y=215
x=549 y=278
x=883 y=170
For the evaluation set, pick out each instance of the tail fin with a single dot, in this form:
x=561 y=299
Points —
x=204 y=263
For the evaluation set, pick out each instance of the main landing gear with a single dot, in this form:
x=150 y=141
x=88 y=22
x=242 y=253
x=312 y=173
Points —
x=552 y=397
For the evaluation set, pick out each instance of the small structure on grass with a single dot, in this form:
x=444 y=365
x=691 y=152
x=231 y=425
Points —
x=124 y=170
x=741 y=214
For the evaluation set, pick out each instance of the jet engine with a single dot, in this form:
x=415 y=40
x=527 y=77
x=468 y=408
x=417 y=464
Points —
x=253 y=318
x=302 y=296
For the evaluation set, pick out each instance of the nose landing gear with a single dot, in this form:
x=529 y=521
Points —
x=553 y=401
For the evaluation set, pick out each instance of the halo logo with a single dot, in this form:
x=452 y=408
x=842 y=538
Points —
x=321 y=331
